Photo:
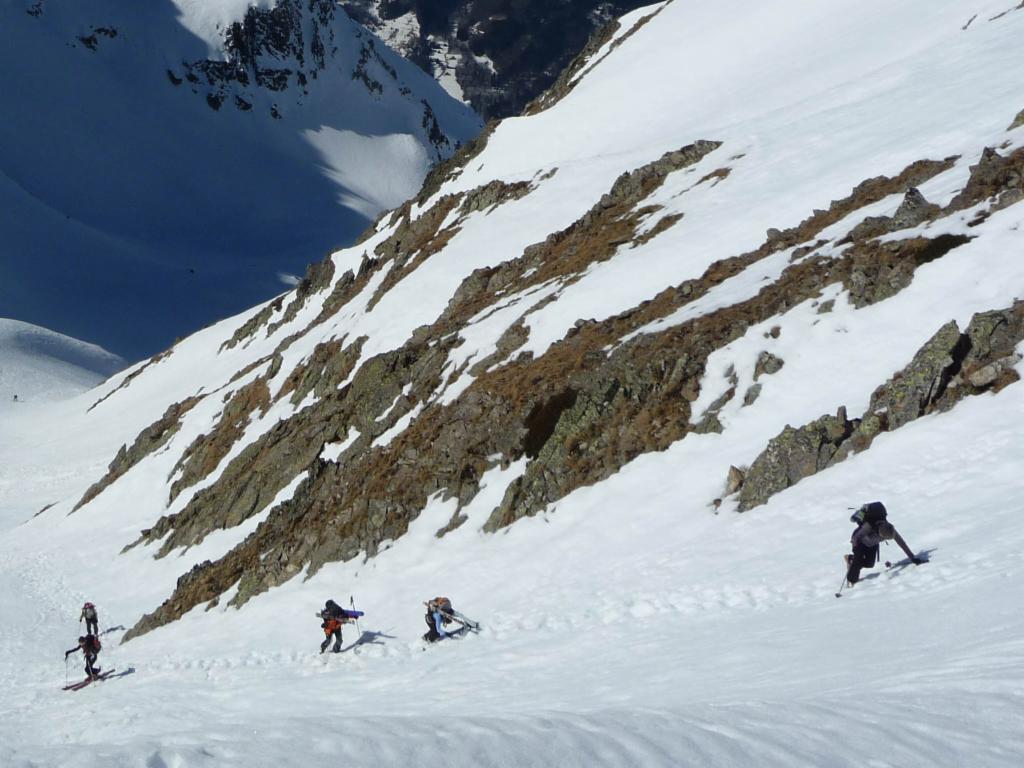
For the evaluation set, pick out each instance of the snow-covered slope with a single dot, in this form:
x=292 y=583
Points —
x=526 y=389
x=37 y=365
x=166 y=164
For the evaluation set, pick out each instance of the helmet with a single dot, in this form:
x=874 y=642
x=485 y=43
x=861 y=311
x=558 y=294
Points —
x=88 y=605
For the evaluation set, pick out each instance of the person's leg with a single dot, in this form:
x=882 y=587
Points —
x=337 y=641
x=431 y=636
x=862 y=558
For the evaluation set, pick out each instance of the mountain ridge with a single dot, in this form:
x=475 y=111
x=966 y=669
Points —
x=546 y=387
x=174 y=150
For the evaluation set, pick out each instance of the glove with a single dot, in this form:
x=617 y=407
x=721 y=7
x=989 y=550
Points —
x=916 y=560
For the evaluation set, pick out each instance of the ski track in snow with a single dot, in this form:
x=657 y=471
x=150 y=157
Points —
x=628 y=624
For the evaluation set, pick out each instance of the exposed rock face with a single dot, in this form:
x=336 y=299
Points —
x=205 y=453
x=576 y=412
x=152 y=438
x=913 y=210
x=880 y=270
x=791 y=456
x=767 y=364
x=950 y=366
x=501 y=53
x=286 y=47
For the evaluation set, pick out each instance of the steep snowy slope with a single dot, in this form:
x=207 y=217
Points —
x=788 y=285
x=169 y=163
x=40 y=365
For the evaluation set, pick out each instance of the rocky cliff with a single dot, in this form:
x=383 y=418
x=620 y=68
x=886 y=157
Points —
x=497 y=55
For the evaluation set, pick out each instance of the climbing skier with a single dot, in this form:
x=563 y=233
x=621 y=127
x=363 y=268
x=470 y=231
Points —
x=90 y=646
x=91 y=619
x=333 y=616
x=872 y=529
x=439 y=615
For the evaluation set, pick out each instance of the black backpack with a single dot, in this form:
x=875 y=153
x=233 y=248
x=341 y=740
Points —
x=872 y=512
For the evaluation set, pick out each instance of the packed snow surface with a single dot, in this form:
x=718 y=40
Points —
x=628 y=624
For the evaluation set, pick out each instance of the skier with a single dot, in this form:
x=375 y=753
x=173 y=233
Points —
x=91 y=619
x=439 y=614
x=872 y=529
x=333 y=616
x=90 y=646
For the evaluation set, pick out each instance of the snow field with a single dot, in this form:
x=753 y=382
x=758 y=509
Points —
x=631 y=626
x=39 y=365
x=628 y=624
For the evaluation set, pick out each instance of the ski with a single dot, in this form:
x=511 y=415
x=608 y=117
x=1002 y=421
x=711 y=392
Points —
x=80 y=685
x=465 y=622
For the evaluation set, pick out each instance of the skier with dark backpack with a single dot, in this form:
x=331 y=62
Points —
x=872 y=529
x=90 y=647
x=334 y=616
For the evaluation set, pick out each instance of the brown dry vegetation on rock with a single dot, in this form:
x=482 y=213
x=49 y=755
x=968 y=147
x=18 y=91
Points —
x=591 y=403
x=151 y=439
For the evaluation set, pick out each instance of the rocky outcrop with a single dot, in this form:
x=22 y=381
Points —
x=605 y=393
x=502 y=53
x=207 y=450
x=268 y=50
x=914 y=210
x=791 y=456
x=587 y=59
x=151 y=439
x=949 y=367
x=880 y=270
x=767 y=364
x=994 y=177
x=286 y=48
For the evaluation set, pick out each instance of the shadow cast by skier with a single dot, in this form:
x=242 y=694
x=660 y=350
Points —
x=369 y=638
x=125 y=673
x=897 y=567
x=108 y=630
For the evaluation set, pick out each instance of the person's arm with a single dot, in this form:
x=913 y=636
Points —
x=438 y=624
x=903 y=545
x=73 y=650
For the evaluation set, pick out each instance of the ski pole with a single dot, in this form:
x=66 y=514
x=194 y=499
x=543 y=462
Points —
x=841 y=587
x=352 y=605
x=66 y=681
